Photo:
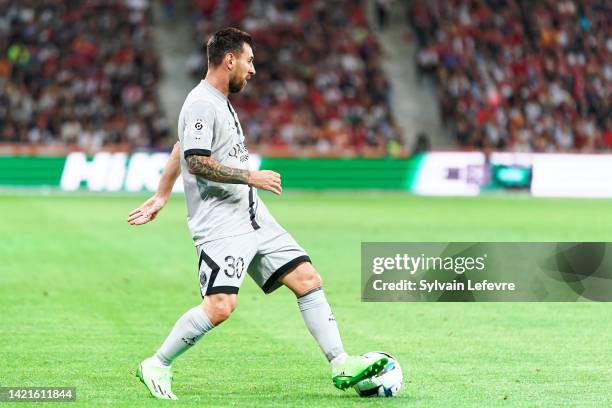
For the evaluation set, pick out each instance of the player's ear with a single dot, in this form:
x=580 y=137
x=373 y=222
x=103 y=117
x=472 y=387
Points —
x=230 y=60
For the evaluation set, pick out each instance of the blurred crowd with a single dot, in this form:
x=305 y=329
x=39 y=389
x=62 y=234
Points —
x=511 y=74
x=80 y=73
x=319 y=86
x=517 y=74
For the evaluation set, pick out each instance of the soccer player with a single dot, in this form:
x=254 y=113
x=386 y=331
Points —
x=234 y=232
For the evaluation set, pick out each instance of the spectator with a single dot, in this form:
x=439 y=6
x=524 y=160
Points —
x=383 y=9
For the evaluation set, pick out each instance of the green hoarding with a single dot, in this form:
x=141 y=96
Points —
x=351 y=174
x=31 y=171
x=112 y=172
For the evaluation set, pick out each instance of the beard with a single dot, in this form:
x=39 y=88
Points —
x=236 y=86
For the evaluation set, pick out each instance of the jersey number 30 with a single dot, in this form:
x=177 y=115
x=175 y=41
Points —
x=233 y=267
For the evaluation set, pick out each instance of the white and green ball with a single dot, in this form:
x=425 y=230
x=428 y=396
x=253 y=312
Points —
x=385 y=384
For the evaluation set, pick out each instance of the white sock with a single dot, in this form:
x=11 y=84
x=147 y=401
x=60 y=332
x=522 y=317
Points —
x=321 y=323
x=189 y=328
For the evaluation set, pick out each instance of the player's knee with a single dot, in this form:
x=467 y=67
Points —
x=313 y=280
x=219 y=307
x=221 y=312
x=308 y=279
x=303 y=279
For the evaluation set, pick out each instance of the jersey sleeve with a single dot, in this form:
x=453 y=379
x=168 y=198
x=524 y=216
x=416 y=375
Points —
x=199 y=126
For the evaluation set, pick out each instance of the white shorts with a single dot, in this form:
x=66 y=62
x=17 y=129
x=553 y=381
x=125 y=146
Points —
x=266 y=254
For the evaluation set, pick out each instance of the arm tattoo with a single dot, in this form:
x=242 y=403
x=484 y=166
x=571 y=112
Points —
x=212 y=170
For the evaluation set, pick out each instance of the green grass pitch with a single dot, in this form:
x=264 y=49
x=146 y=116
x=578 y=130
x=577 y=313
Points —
x=84 y=297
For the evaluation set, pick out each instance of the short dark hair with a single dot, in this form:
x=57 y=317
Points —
x=223 y=41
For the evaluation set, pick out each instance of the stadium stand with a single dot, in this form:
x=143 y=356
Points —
x=319 y=87
x=511 y=74
x=520 y=75
x=79 y=74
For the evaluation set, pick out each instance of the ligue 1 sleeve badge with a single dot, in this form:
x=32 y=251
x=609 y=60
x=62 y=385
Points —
x=198 y=128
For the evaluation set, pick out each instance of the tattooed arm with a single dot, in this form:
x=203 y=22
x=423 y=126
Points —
x=212 y=170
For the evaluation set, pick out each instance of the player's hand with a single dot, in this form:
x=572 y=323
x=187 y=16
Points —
x=147 y=210
x=266 y=180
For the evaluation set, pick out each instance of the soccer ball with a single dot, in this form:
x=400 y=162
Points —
x=385 y=384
